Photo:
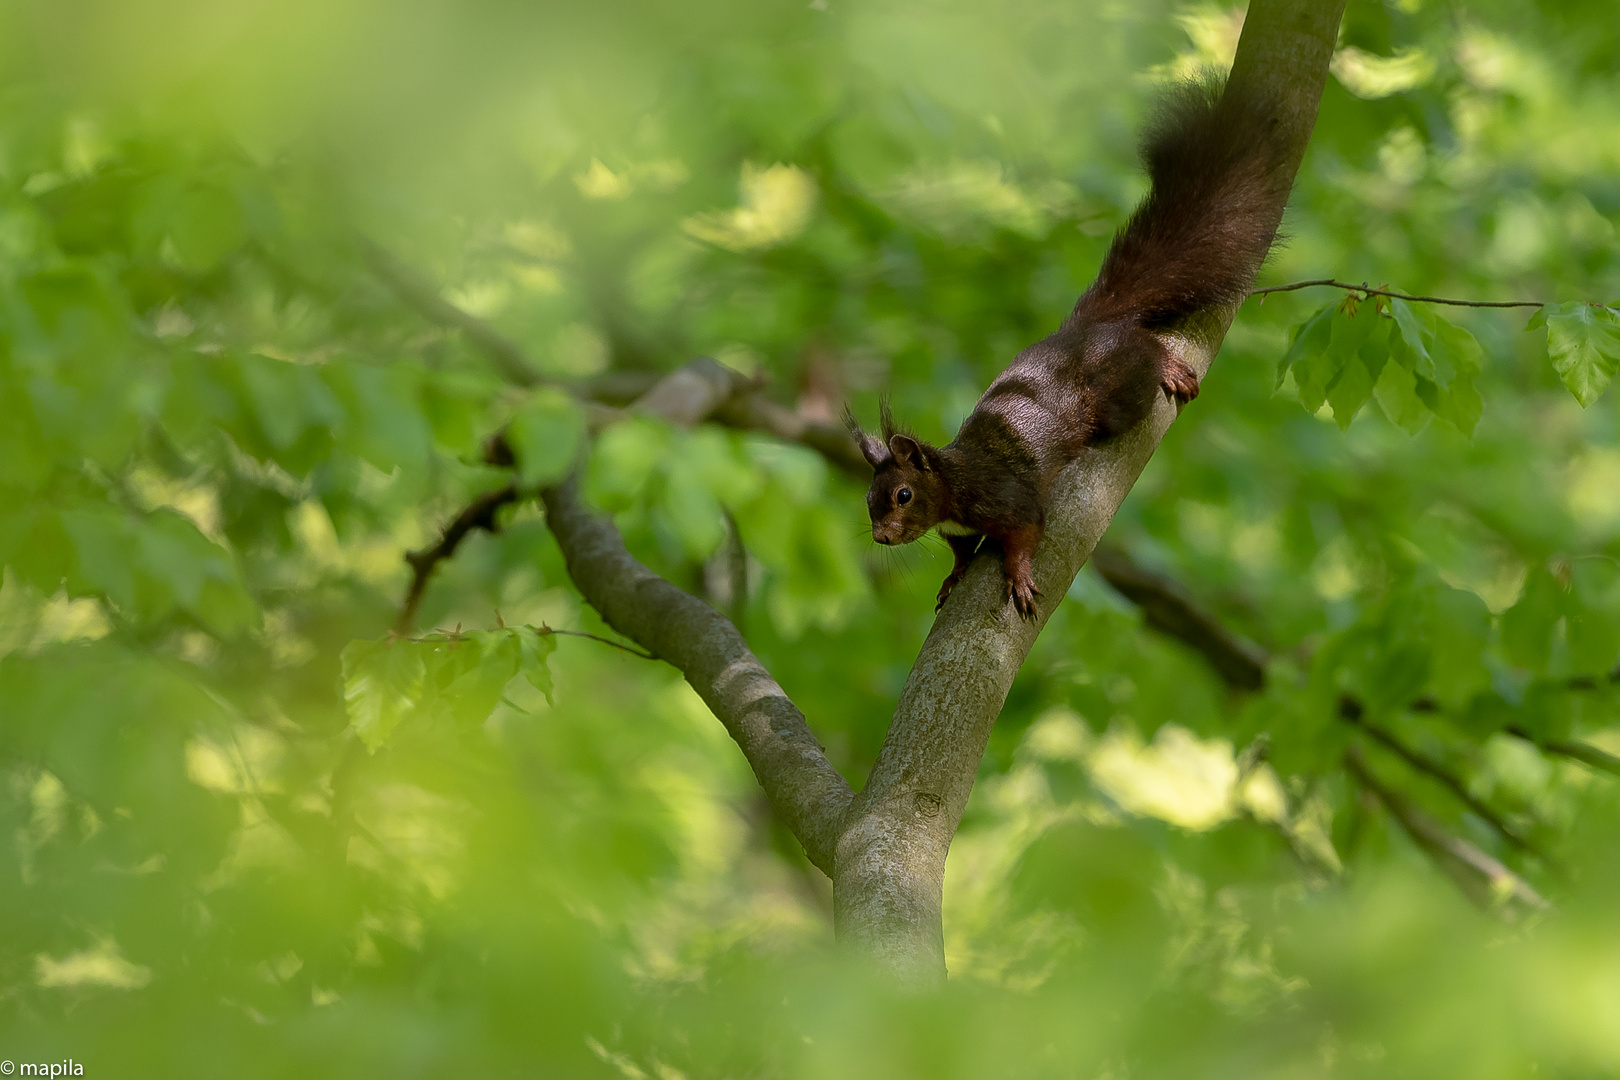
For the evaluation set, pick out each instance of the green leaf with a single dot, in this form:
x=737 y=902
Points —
x=1361 y=340
x=1350 y=391
x=1396 y=393
x=624 y=459
x=1594 y=616
x=546 y=434
x=1527 y=627
x=1583 y=341
x=287 y=399
x=1314 y=364
x=206 y=225
x=535 y=648
x=690 y=509
x=383 y=682
x=386 y=426
x=1447 y=389
x=102 y=545
x=488 y=659
x=1409 y=344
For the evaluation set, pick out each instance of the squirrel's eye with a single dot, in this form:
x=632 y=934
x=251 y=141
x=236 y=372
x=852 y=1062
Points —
x=903 y=496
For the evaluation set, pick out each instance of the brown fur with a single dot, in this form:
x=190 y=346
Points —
x=1196 y=242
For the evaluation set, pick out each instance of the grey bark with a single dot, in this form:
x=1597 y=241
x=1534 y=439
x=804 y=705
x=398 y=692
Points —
x=885 y=849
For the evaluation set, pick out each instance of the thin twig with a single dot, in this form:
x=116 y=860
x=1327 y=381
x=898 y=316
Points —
x=1351 y=712
x=478 y=514
x=1482 y=879
x=544 y=629
x=456 y=635
x=1364 y=288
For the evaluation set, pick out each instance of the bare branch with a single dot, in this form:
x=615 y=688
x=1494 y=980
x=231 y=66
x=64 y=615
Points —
x=478 y=514
x=1363 y=288
x=789 y=763
x=755 y=412
x=1482 y=879
x=1239 y=662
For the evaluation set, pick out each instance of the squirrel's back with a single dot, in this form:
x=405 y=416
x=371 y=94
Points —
x=1219 y=172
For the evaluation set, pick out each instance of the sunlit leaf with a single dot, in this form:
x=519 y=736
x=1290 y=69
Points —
x=546 y=434
x=382 y=682
x=1583 y=341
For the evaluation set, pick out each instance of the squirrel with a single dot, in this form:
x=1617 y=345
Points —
x=1219 y=175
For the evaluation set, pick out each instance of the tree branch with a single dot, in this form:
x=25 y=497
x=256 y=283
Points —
x=1363 y=288
x=1582 y=752
x=891 y=856
x=478 y=514
x=1239 y=662
x=1351 y=712
x=1483 y=879
x=1241 y=665
x=790 y=764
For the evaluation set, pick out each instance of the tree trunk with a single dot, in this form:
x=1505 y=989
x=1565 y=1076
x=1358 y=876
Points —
x=885 y=848
x=890 y=867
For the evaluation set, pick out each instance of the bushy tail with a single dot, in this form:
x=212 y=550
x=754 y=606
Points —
x=1220 y=178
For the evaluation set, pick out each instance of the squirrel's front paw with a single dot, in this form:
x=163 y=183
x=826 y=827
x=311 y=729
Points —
x=945 y=590
x=1179 y=380
x=1022 y=592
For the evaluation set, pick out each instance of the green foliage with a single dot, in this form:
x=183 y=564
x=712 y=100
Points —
x=1584 y=343
x=248 y=835
x=546 y=433
x=456 y=677
x=1416 y=363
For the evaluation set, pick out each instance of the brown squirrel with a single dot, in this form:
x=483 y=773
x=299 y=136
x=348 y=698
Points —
x=1218 y=173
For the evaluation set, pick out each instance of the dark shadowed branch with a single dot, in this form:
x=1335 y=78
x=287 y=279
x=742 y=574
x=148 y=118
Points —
x=1167 y=608
x=1483 y=879
x=1579 y=751
x=478 y=514
x=1351 y=712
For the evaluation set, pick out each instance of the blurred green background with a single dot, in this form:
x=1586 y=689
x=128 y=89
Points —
x=220 y=431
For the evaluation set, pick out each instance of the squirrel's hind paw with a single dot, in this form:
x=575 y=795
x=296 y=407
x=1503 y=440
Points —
x=1022 y=592
x=1179 y=380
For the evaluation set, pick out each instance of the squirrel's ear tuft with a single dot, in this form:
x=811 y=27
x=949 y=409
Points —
x=885 y=417
x=908 y=451
x=872 y=448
